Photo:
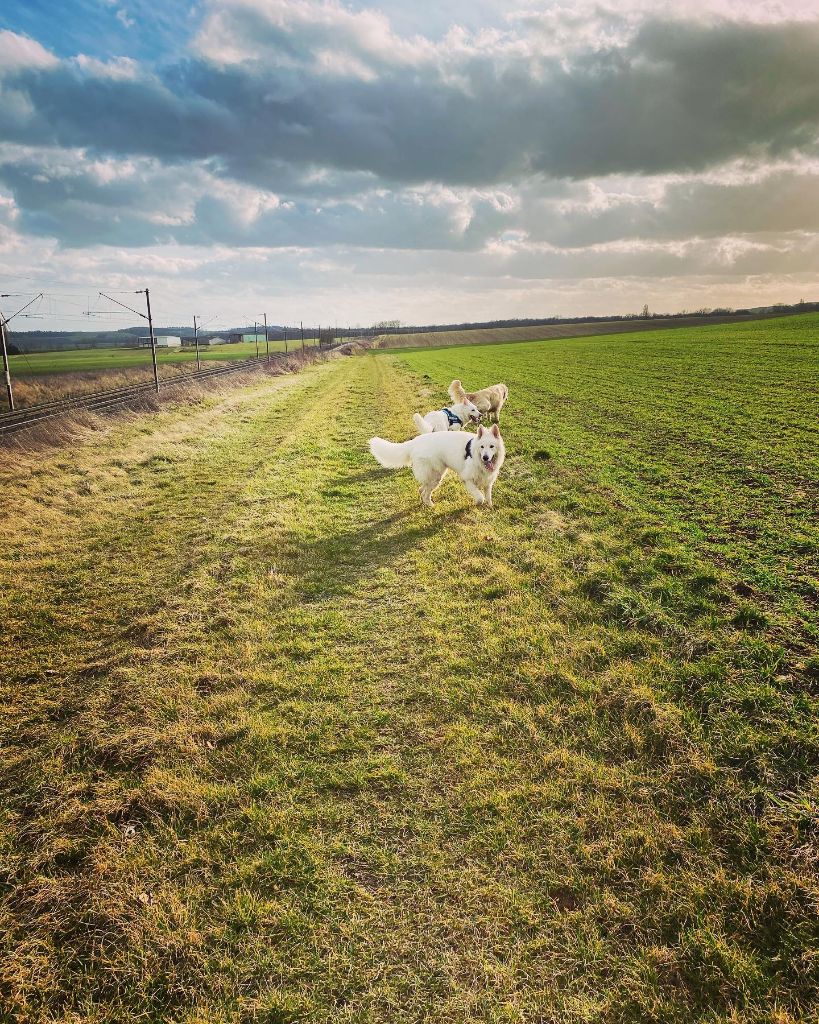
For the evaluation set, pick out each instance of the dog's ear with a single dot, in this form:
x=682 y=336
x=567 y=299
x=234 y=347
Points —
x=495 y=431
x=480 y=431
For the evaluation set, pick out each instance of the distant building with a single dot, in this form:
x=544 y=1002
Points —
x=162 y=341
x=203 y=342
x=253 y=337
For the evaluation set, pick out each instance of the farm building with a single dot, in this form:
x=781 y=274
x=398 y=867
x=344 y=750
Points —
x=253 y=337
x=163 y=341
x=203 y=342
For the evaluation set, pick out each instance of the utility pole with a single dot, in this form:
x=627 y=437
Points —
x=256 y=336
x=266 y=338
x=301 y=324
x=147 y=294
x=196 y=343
x=6 y=373
x=285 y=339
x=153 y=340
x=6 y=368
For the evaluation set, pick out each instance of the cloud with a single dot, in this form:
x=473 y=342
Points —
x=141 y=201
x=568 y=142
x=740 y=200
x=124 y=18
x=20 y=53
x=476 y=110
x=292 y=33
x=117 y=69
x=361 y=286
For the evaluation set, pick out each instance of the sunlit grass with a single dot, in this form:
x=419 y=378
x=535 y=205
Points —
x=281 y=745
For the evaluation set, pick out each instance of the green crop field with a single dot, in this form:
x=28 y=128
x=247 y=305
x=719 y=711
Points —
x=534 y=332
x=101 y=359
x=280 y=745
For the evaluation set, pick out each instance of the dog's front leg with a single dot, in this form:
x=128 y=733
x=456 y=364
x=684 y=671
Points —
x=476 y=492
x=488 y=493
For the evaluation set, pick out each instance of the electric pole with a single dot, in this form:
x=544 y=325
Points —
x=146 y=293
x=196 y=343
x=153 y=340
x=6 y=367
x=6 y=372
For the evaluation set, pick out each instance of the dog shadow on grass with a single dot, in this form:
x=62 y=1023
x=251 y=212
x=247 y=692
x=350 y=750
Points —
x=333 y=564
x=376 y=472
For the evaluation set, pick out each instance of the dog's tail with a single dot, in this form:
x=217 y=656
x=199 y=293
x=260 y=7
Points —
x=390 y=454
x=421 y=424
x=456 y=391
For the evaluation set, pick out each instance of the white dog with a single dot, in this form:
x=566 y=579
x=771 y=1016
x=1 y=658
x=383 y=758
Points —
x=451 y=417
x=476 y=458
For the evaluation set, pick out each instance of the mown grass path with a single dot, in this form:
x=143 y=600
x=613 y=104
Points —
x=281 y=745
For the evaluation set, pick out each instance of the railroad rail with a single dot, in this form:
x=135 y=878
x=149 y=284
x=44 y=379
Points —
x=99 y=401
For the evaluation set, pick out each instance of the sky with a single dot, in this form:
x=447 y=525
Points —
x=354 y=162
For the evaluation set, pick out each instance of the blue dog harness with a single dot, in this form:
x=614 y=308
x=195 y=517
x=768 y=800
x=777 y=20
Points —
x=452 y=419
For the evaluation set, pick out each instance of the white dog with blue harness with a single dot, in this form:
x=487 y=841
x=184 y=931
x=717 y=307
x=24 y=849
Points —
x=451 y=417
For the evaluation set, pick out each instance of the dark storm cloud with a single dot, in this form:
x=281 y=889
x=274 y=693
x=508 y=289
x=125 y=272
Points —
x=677 y=96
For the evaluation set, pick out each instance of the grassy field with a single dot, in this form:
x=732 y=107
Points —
x=500 y=335
x=281 y=745
x=103 y=359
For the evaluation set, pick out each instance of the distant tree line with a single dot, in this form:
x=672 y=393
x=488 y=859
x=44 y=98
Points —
x=34 y=341
x=644 y=314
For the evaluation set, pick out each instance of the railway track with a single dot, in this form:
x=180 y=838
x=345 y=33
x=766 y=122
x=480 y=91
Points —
x=99 y=401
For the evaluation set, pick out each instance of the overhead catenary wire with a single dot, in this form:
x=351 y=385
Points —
x=145 y=316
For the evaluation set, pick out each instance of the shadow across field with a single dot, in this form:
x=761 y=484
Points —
x=333 y=564
x=348 y=479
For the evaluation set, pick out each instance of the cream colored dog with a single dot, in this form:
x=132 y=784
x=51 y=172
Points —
x=489 y=400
